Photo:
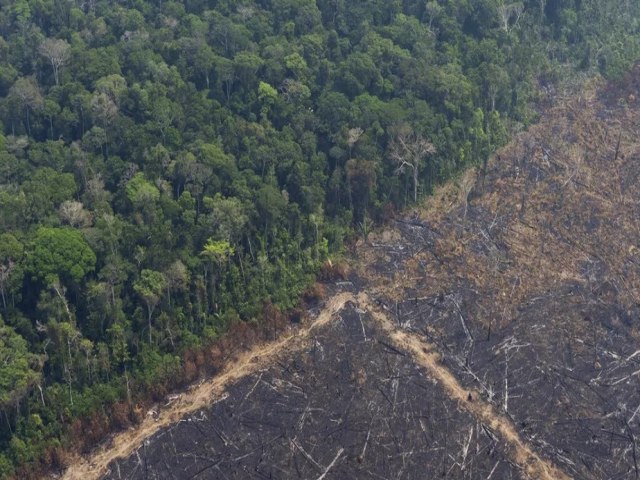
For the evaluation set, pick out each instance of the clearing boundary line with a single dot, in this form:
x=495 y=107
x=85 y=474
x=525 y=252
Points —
x=123 y=444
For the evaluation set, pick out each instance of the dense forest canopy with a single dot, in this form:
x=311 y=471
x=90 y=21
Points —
x=168 y=168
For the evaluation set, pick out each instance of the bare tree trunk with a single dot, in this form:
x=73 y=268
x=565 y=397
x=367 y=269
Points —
x=41 y=395
x=150 y=310
x=63 y=299
x=126 y=377
x=4 y=300
x=6 y=417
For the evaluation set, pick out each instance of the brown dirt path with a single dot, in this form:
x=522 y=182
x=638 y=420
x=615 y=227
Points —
x=425 y=355
x=123 y=444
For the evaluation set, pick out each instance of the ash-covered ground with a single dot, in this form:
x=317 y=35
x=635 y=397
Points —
x=527 y=278
x=349 y=406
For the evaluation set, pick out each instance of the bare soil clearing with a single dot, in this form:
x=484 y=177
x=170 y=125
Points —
x=427 y=356
x=321 y=346
x=529 y=286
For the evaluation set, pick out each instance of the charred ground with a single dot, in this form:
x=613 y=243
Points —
x=523 y=281
x=350 y=405
x=529 y=280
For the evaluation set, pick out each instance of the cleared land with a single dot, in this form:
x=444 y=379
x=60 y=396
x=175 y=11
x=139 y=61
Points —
x=528 y=282
x=349 y=405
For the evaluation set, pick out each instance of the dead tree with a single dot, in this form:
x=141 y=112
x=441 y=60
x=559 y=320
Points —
x=27 y=92
x=509 y=11
x=407 y=150
x=466 y=183
x=57 y=52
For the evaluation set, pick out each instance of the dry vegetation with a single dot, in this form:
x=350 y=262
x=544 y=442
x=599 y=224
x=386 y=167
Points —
x=348 y=405
x=531 y=289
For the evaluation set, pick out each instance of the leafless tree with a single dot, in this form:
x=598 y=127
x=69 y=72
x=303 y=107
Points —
x=57 y=52
x=88 y=6
x=103 y=108
x=466 y=184
x=74 y=214
x=5 y=272
x=294 y=91
x=245 y=12
x=353 y=135
x=543 y=5
x=407 y=150
x=509 y=11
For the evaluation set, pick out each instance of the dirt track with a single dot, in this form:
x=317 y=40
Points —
x=423 y=354
x=199 y=397
x=427 y=356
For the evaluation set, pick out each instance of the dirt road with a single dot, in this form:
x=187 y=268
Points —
x=423 y=354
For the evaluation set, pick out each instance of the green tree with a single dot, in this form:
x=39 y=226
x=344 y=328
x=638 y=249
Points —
x=177 y=278
x=267 y=96
x=215 y=251
x=118 y=343
x=143 y=194
x=228 y=217
x=20 y=369
x=60 y=253
x=46 y=190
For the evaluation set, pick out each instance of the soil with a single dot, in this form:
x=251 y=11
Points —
x=348 y=405
x=529 y=287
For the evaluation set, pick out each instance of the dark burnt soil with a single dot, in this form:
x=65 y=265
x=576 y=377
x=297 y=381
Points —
x=531 y=286
x=350 y=405
x=565 y=369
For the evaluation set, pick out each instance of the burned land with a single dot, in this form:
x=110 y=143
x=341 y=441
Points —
x=350 y=404
x=491 y=334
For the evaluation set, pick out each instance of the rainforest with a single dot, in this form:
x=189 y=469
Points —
x=181 y=180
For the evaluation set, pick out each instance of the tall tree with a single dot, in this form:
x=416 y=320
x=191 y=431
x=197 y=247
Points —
x=215 y=252
x=150 y=286
x=19 y=369
x=61 y=253
x=11 y=253
x=27 y=92
x=57 y=52
x=408 y=149
x=509 y=14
